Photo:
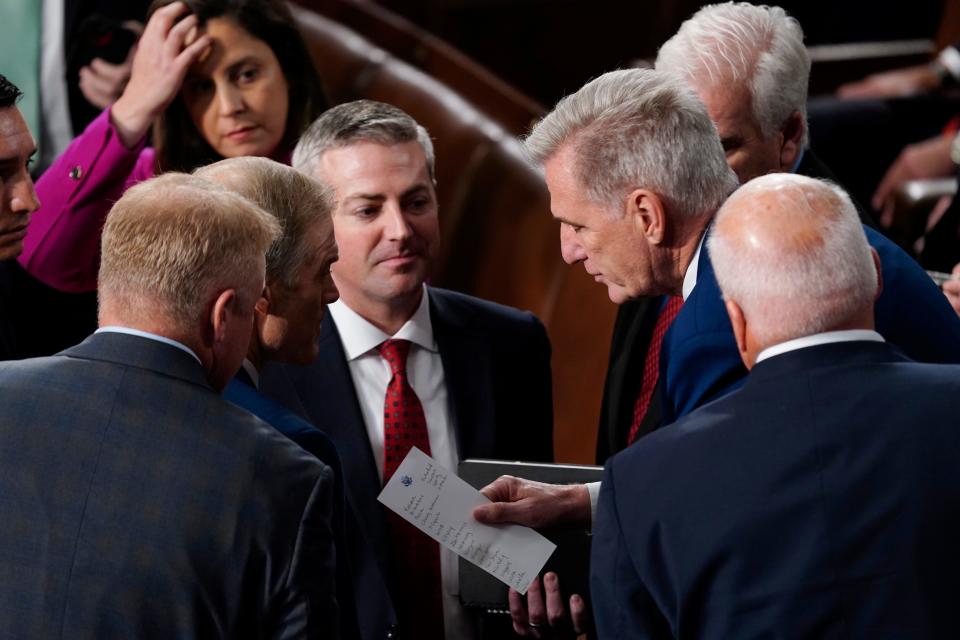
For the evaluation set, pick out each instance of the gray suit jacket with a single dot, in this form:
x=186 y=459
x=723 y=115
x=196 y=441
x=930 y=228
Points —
x=137 y=503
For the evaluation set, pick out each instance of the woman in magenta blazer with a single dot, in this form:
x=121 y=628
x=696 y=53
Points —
x=213 y=79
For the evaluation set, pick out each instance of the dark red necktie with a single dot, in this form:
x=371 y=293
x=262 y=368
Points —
x=651 y=366
x=416 y=556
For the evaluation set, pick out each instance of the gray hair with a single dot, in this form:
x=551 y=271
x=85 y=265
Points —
x=296 y=200
x=637 y=128
x=170 y=241
x=359 y=121
x=758 y=47
x=812 y=268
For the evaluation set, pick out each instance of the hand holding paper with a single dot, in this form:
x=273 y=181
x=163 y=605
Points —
x=440 y=504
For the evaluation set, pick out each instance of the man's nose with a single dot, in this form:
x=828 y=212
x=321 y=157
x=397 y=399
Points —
x=397 y=225
x=570 y=248
x=23 y=197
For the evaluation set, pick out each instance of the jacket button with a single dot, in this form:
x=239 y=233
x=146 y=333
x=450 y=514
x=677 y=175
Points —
x=76 y=173
x=393 y=632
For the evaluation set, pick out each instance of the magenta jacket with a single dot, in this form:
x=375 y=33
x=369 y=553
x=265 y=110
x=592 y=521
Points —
x=62 y=247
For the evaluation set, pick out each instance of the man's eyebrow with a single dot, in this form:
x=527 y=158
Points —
x=17 y=159
x=379 y=197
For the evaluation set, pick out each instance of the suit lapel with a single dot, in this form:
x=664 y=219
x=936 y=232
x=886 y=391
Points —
x=467 y=371
x=326 y=390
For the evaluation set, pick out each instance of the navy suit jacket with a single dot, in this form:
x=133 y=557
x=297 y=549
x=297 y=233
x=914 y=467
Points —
x=496 y=363
x=137 y=503
x=821 y=500
x=631 y=341
x=699 y=360
x=242 y=393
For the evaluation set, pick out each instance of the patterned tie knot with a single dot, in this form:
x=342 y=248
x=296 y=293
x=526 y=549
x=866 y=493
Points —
x=395 y=353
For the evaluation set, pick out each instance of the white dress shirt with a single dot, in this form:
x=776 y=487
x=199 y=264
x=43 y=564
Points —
x=371 y=374
x=827 y=337
x=689 y=282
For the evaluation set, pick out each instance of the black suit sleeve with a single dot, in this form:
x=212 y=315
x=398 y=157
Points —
x=308 y=606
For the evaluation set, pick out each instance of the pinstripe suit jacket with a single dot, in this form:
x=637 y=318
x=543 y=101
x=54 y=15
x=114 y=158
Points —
x=137 y=503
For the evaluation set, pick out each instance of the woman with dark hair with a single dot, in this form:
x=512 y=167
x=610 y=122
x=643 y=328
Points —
x=213 y=79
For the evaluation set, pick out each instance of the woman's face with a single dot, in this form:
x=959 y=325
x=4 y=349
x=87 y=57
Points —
x=237 y=94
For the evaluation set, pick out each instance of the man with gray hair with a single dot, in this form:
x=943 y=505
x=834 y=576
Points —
x=137 y=501
x=749 y=66
x=622 y=157
x=818 y=500
x=475 y=375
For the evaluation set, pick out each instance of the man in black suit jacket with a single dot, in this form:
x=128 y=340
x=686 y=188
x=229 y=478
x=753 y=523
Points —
x=481 y=371
x=761 y=119
x=25 y=331
x=820 y=500
x=136 y=501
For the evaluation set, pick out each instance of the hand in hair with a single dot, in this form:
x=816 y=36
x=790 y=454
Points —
x=160 y=64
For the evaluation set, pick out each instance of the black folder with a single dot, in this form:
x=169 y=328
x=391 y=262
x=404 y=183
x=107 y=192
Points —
x=570 y=560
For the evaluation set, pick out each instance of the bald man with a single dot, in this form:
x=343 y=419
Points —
x=820 y=499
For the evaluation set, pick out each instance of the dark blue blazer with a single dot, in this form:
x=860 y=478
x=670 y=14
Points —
x=699 y=360
x=496 y=363
x=135 y=502
x=820 y=500
x=242 y=393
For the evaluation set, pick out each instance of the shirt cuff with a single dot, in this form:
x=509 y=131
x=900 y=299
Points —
x=593 y=488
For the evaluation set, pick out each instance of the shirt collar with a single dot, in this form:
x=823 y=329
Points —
x=796 y=163
x=690 y=277
x=828 y=337
x=359 y=335
x=252 y=372
x=149 y=336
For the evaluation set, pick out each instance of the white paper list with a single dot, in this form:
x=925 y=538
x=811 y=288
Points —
x=440 y=504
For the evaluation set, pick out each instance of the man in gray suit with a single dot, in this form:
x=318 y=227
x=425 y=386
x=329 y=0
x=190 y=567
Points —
x=135 y=501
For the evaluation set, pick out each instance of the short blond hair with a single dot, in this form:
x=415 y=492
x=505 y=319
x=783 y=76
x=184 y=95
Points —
x=297 y=201
x=171 y=241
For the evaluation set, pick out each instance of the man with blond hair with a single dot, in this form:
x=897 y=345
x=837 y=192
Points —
x=819 y=500
x=136 y=501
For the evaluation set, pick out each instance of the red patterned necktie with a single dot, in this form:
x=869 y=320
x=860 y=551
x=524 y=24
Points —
x=651 y=366
x=416 y=556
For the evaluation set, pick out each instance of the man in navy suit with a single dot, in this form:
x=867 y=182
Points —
x=636 y=171
x=480 y=371
x=821 y=498
x=750 y=68
x=136 y=501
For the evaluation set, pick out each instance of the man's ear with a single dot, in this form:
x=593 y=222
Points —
x=264 y=304
x=879 y=268
x=739 y=323
x=791 y=146
x=646 y=210
x=220 y=314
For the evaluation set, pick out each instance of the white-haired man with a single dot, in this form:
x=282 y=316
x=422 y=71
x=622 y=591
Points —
x=136 y=500
x=749 y=66
x=475 y=375
x=820 y=499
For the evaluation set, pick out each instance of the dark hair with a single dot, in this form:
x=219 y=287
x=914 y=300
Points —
x=9 y=93
x=179 y=146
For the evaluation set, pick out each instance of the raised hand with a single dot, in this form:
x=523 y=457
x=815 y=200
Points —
x=160 y=64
